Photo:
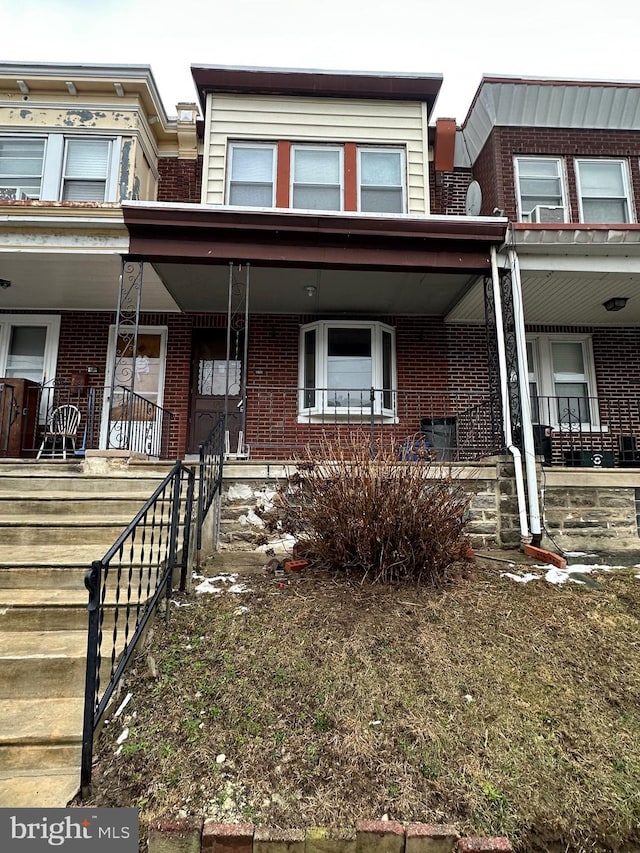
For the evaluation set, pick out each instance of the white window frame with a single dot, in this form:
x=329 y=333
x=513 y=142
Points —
x=403 y=174
x=51 y=322
x=233 y=146
x=31 y=138
x=562 y=176
x=52 y=181
x=316 y=147
x=321 y=410
x=626 y=184
x=541 y=372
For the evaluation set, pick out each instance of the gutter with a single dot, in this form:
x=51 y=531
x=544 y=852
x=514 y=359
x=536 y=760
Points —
x=504 y=393
x=525 y=402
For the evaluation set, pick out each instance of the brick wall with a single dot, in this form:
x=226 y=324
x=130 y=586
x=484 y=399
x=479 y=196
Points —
x=180 y=180
x=448 y=191
x=494 y=166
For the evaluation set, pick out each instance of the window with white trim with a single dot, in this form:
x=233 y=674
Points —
x=340 y=363
x=541 y=189
x=59 y=168
x=603 y=191
x=562 y=381
x=251 y=174
x=381 y=180
x=317 y=177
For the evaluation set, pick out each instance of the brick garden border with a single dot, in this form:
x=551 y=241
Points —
x=376 y=836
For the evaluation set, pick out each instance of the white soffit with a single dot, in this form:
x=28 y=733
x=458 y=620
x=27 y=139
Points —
x=578 y=105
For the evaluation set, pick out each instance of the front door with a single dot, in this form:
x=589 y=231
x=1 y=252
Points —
x=135 y=425
x=209 y=385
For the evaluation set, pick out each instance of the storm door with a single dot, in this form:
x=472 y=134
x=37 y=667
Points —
x=209 y=385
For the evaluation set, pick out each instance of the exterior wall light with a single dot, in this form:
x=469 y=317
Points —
x=310 y=290
x=616 y=303
x=5 y=283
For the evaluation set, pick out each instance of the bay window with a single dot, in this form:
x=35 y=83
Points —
x=343 y=365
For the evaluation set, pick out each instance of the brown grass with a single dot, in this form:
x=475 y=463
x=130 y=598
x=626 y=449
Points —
x=499 y=707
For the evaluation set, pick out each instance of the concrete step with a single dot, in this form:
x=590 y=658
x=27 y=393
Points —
x=37 y=609
x=40 y=733
x=41 y=664
x=53 y=578
x=39 y=789
x=68 y=555
x=62 y=530
x=54 y=504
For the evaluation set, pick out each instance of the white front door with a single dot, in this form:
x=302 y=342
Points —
x=135 y=425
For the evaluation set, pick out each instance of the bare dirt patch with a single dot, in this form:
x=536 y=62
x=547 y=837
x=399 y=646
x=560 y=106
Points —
x=499 y=707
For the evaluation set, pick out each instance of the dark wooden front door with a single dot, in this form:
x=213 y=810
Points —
x=208 y=385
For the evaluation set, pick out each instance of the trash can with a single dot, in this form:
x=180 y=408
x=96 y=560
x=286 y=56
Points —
x=542 y=442
x=442 y=433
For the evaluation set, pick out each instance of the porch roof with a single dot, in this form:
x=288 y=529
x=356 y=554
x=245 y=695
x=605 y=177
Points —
x=353 y=262
x=219 y=234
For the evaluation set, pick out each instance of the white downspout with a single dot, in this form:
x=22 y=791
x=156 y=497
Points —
x=504 y=393
x=525 y=402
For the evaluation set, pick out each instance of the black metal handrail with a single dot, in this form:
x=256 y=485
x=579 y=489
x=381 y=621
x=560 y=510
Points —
x=126 y=586
x=210 y=473
x=137 y=424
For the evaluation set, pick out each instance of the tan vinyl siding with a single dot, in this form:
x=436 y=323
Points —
x=298 y=119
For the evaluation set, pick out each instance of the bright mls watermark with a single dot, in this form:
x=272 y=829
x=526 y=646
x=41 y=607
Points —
x=35 y=830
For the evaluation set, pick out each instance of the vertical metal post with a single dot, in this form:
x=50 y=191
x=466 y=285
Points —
x=372 y=397
x=126 y=327
x=226 y=384
x=92 y=581
x=243 y=398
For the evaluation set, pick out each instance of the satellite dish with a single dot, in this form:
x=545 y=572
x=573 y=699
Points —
x=474 y=199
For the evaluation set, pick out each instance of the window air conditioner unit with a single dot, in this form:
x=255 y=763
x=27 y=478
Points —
x=547 y=213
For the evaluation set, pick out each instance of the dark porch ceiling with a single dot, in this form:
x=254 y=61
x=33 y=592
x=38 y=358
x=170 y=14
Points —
x=354 y=263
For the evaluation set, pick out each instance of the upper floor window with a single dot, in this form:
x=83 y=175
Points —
x=603 y=191
x=316 y=177
x=21 y=162
x=252 y=175
x=381 y=180
x=58 y=168
x=540 y=185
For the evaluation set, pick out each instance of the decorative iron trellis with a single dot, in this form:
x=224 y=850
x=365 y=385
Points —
x=511 y=355
x=126 y=341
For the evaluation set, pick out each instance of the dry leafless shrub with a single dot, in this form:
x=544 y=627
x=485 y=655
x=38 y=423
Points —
x=385 y=512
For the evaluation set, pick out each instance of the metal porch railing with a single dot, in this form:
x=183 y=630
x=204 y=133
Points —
x=588 y=431
x=136 y=424
x=460 y=426
x=125 y=588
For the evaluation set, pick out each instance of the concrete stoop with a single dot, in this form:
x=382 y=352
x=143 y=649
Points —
x=55 y=519
x=196 y=836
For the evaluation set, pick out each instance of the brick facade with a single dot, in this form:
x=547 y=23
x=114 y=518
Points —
x=180 y=180
x=494 y=168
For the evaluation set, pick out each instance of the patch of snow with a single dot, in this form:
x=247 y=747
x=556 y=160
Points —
x=375 y=723
x=180 y=603
x=209 y=584
x=578 y=554
x=529 y=576
x=284 y=544
x=123 y=736
x=251 y=518
x=239 y=492
x=220 y=759
x=637 y=576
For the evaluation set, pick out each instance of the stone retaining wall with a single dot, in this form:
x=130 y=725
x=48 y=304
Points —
x=198 y=836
